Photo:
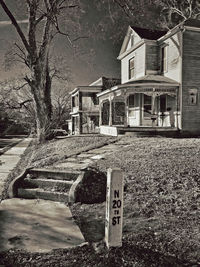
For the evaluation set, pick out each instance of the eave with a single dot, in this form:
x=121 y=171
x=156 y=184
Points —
x=87 y=89
x=138 y=85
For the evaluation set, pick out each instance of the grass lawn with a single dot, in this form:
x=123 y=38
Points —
x=161 y=205
x=161 y=200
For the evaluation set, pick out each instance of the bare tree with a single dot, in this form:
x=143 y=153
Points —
x=179 y=10
x=61 y=103
x=171 y=11
x=35 y=52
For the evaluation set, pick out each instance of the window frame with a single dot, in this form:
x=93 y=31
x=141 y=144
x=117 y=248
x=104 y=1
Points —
x=130 y=69
x=193 y=97
x=132 y=107
x=147 y=115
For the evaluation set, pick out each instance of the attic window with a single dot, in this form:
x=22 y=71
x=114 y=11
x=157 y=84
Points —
x=131 y=68
x=132 y=39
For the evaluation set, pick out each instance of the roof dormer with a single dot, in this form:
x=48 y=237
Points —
x=135 y=36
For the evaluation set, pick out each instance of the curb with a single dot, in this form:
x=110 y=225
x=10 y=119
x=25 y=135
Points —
x=5 y=149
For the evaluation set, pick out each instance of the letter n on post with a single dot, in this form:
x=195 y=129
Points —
x=114 y=208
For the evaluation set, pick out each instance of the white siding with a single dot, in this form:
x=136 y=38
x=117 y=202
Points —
x=139 y=55
x=174 y=58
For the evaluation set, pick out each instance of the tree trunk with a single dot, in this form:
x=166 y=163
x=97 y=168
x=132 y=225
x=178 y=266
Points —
x=41 y=90
x=42 y=114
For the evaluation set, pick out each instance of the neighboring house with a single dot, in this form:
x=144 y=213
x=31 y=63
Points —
x=85 y=105
x=160 y=83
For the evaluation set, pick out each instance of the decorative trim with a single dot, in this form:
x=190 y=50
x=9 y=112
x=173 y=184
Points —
x=142 y=42
x=136 y=88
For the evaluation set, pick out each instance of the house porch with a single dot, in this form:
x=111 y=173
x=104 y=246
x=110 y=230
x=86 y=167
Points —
x=140 y=108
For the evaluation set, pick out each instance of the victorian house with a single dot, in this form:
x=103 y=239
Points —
x=160 y=83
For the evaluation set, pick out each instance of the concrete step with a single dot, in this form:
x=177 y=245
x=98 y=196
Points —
x=57 y=185
x=35 y=193
x=54 y=174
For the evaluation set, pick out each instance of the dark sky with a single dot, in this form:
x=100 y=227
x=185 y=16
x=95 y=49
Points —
x=96 y=55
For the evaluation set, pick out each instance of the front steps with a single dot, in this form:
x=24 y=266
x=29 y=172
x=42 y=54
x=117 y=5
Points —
x=47 y=184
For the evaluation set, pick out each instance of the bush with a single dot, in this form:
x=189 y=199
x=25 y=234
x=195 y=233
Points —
x=92 y=188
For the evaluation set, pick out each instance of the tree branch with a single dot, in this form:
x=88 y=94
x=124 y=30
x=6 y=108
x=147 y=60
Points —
x=20 y=105
x=16 y=25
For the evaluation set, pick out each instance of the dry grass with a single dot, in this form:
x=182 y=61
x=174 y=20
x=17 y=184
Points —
x=162 y=194
x=161 y=207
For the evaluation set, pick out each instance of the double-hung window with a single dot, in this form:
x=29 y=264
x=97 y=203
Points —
x=132 y=68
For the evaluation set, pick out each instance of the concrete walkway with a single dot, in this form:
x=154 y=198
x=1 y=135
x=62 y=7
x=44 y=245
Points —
x=85 y=159
x=9 y=160
x=37 y=226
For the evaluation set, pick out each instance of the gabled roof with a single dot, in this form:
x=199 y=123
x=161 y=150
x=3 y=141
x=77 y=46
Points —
x=148 y=34
x=106 y=82
x=142 y=33
x=101 y=84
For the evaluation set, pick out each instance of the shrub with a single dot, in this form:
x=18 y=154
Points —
x=92 y=188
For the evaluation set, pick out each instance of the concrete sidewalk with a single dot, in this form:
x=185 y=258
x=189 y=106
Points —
x=9 y=160
x=33 y=225
x=37 y=226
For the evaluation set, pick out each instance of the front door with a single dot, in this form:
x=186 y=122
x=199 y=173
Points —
x=147 y=117
x=134 y=110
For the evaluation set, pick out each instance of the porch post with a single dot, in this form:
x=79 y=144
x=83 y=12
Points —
x=110 y=112
x=100 y=114
x=80 y=123
x=153 y=106
x=153 y=102
x=126 y=111
x=177 y=108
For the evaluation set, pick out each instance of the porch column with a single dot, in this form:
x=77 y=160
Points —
x=140 y=108
x=126 y=112
x=177 y=109
x=100 y=114
x=80 y=123
x=153 y=107
x=110 y=112
x=72 y=102
x=80 y=100
x=153 y=102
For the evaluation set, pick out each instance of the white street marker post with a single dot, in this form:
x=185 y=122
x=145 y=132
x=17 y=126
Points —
x=114 y=208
